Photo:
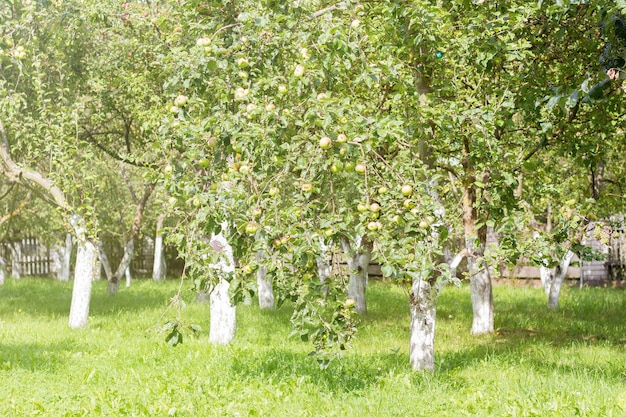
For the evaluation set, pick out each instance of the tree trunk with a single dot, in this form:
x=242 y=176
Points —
x=482 y=297
x=223 y=313
x=97 y=269
x=547 y=277
x=159 y=268
x=480 y=280
x=81 y=293
x=64 y=272
x=264 y=285
x=358 y=263
x=324 y=263
x=559 y=277
x=104 y=260
x=16 y=257
x=3 y=270
x=114 y=283
x=85 y=260
x=422 y=331
x=128 y=276
x=129 y=248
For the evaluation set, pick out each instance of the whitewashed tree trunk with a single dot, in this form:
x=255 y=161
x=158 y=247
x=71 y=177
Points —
x=422 y=331
x=16 y=257
x=104 y=261
x=547 y=277
x=324 y=263
x=97 y=268
x=85 y=260
x=128 y=276
x=358 y=262
x=482 y=297
x=3 y=270
x=223 y=313
x=264 y=285
x=159 y=267
x=559 y=277
x=114 y=283
x=64 y=274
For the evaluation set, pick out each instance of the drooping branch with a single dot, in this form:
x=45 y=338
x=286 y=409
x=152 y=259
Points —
x=89 y=137
x=328 y=9
x=14 y=173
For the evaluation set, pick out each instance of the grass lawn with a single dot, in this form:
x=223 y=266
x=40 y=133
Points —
x=570 y=362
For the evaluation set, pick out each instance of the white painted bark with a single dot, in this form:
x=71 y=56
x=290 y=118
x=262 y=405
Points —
x=482 y=297
x=264 y=285
x=85 y=260
x=65 y=270
x=104 y=261
x=422 y=330
x=223 y=320
x=358 y=259
x=547 y=277
x=97 y=269
x=16 y=256
x=324 y=265
x=559 y=277
x=114 y=283
x=128 y=276
x=159 y=267
x=3 y=270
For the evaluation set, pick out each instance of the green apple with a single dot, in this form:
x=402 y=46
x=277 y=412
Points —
x=406 y=190
x=273 y=191
x=307 y=187
x=181 y=100
x=341 y=138
x=298 y=71
x=360 y=168
x=326 y=142
x=251 y=228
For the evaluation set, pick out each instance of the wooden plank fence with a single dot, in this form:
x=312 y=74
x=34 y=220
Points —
x=29 y=257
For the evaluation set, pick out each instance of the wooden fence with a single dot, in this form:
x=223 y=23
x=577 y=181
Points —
x=30 y=257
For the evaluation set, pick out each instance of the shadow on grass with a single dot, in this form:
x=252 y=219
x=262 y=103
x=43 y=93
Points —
x=35 y=356
x=47 y=297
x=341 y=375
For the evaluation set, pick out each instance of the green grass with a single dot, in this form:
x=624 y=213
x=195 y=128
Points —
x=570 y=362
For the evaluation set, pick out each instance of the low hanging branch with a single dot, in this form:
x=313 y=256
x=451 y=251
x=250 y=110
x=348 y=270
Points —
x=16 y=174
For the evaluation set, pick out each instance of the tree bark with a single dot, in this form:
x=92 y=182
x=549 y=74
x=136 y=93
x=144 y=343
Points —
x=422 y=331
x=324 y=263
x=3 y=270
x=61 y=255
x=482 y=298
x=81 y=293
x=559 y=277
x=16 y=256
x=159 y=268
x=358 y=262
x=104 y=260
x=223 y=320
x=547 y=277
x=264 y=285
x=129 y=248
x=85 y=260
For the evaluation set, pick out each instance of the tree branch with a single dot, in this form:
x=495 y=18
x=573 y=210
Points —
x=328 y=9
x=89 y=137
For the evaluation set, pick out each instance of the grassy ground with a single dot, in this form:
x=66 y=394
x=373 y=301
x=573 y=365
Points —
x=571 y=362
